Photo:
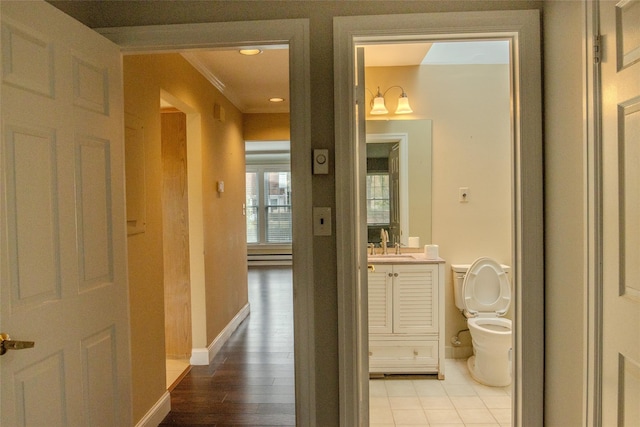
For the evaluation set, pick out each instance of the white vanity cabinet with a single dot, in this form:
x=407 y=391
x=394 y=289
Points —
x=406 y=322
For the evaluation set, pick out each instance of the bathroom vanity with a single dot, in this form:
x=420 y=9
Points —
x=406 y=314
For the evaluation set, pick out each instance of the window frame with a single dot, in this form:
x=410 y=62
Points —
x=261 y=170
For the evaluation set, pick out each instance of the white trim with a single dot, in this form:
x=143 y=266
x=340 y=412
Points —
x=204 y=356
x=197 y=63
x=157 y=412
x=295 y=33
x=523 y=28
x=403 y=140
x=592 y=114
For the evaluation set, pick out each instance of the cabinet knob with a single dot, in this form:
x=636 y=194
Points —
x=390 y=274
x=371 y=353
x=415 y=352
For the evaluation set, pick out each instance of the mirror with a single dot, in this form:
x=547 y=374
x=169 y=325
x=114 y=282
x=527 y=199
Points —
x=406 y=143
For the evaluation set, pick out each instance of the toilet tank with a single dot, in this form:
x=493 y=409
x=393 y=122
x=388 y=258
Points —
x=459 y=271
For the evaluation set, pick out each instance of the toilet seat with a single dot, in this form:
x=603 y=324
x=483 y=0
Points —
x=485 y=290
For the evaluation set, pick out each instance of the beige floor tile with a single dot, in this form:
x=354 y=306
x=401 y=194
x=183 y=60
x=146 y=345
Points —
x=409 y=417
x=429 y=388
x=501 y=402
x=460 y=390
x=405 y=402
x=476 y=416
x=484 y=390
x=442 y=416
x=436 y=402
x=381 y=415
x=377 y=389
x=400 y=388
x=456 y=401
x=501 y=415
x=467 y=402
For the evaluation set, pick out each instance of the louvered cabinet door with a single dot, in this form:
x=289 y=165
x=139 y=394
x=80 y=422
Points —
x=415 y=299
x=380 y=299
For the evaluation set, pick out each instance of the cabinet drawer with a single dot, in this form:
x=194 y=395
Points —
x=403 y=356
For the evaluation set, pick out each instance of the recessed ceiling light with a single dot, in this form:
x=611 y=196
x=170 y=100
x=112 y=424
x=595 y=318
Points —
x=276 y=99
x=250 y=52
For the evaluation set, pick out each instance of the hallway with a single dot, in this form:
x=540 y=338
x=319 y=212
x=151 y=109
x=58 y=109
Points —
x=250 y=382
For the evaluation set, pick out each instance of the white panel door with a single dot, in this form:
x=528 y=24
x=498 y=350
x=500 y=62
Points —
x=62 y=224
x=620 y=28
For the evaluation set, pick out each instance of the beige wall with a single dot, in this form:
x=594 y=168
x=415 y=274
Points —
x=266 y=127
x=224 y=225
x=471 y=143
x=563 y=174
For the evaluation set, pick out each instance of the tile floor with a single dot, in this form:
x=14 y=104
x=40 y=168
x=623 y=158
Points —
x=456 y=401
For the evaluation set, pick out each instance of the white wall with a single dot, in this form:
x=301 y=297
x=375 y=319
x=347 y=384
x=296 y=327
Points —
x=469 y=106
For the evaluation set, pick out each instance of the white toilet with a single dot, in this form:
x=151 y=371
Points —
x=483 y=294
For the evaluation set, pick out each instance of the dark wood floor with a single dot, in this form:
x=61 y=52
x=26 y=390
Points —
x=251 y=380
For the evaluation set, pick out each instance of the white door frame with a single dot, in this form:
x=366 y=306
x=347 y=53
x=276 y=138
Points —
x=523 y=27
x=593 y=206
x=295 y=34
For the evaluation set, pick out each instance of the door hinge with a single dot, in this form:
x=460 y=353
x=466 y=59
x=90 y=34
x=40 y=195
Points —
x=597 y=49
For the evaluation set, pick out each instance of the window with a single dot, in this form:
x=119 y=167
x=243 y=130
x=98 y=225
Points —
x=268 y=204
x=377 y=198
x=253 y=205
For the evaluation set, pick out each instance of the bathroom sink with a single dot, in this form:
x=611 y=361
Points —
x=390 y=257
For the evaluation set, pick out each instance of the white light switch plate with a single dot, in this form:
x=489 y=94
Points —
x=322 y=221
x=320 y=161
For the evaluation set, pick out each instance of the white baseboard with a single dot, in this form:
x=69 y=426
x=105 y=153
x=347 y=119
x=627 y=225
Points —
x=204 y=356
x=157 y=412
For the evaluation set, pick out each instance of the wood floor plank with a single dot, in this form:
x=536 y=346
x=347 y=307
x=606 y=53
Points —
x=250 y=382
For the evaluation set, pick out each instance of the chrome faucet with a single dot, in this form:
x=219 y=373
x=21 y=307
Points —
x=372 y=247
x=384 y=238
x=397 y=248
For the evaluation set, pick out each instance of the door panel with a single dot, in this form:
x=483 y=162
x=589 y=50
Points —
x=380 y=291
x=415 y=299
x=62 y=224
x=621 y=191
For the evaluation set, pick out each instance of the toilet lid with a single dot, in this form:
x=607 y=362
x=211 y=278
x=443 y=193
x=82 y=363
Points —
x=486 y=288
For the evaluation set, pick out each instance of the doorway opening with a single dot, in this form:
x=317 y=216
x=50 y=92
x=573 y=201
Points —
x=180 y=139
x=294 y=34
x=525 y=172
x=459 y=135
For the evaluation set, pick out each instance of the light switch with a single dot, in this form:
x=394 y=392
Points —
x=322 y=221
x=320 y=161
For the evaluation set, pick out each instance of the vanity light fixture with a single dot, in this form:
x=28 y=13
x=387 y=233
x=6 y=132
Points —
x=378 y=107
x=250 y=52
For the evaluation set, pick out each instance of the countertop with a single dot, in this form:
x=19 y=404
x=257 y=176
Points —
x=406 y=258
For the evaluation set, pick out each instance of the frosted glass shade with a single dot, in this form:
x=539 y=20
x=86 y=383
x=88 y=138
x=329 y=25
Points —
x=378 y=106
x=403 y=105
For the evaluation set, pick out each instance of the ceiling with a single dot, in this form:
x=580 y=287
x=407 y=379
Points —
x=249 y=81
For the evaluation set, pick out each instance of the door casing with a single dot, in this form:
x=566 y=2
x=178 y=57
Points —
x=523 y=28
x=295 y=34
